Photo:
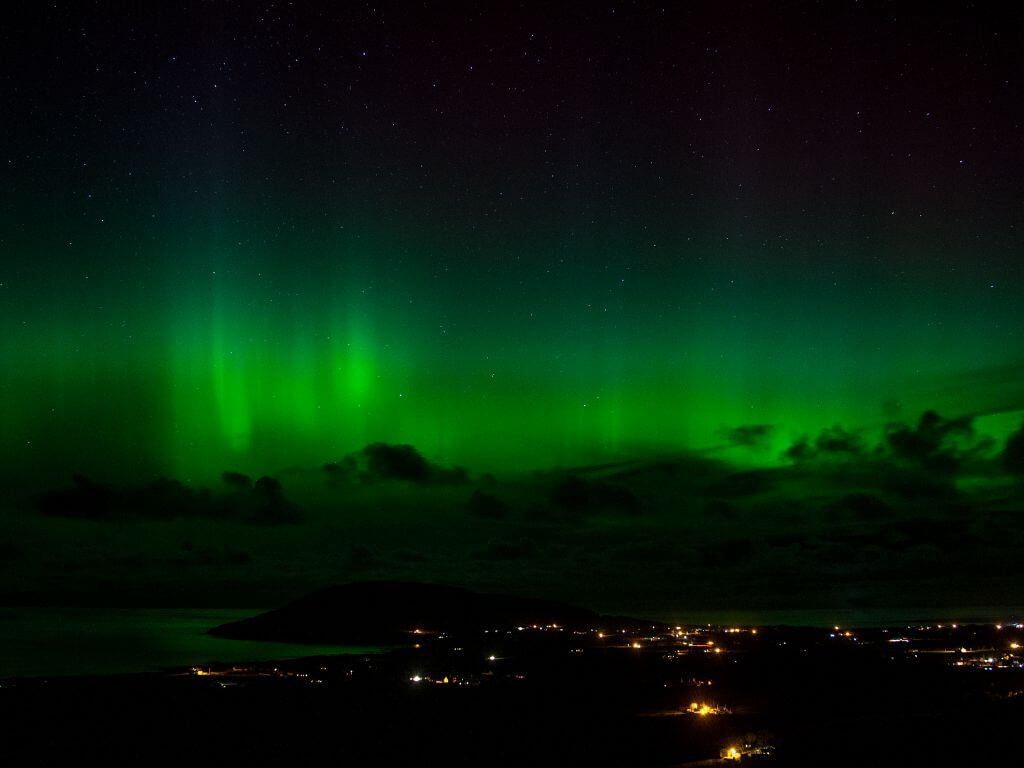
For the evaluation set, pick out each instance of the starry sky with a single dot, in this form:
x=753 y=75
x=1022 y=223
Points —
x=259 y=237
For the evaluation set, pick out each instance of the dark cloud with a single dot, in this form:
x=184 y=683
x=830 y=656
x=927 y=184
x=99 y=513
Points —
x=164 y=499
x=834 y=442
x=85 y=501
x=379 y=462
x=1013 y=452
x=932 y=444
x=236 y=480
x=747 y=483
x=341 y=472
x=838 y=440
x=679 y=470
x=266 y=504
x=801 y=450
x=850 y=519
x=750 y=435
x=935 y=445
x=395 y=462
x=578 y=499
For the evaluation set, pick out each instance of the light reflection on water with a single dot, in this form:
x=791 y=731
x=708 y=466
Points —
x=81 y=641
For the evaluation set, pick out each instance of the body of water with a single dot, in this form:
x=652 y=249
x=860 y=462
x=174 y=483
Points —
x=41 y=642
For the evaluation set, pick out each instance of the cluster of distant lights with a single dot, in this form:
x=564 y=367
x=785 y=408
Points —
x=254 y=670
x=700 y=709
x=444 y=680
x=691 y=638
x=676 y=633
x=704 y=709
x=627 y=638
x=983 y=658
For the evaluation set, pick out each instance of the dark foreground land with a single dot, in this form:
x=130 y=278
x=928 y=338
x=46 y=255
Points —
x=551 y=695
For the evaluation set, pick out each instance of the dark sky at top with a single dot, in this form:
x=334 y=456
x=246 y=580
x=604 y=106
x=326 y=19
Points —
x=258 y=237
x=741 y=118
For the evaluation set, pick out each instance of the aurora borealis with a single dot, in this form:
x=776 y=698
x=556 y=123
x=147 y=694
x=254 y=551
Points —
x=234 y=361
x=260 y=238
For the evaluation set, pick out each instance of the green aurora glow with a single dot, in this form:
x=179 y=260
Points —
x=216 y=357
x=533 y=241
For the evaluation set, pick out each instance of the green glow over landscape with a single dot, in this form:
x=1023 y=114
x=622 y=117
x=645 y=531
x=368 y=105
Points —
x=719 y=308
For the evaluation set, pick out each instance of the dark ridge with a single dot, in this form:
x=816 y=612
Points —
x=390 y=612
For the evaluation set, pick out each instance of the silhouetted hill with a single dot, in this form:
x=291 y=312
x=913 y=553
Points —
x=389 y=611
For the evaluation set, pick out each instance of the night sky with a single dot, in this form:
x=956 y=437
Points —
x=759 y=263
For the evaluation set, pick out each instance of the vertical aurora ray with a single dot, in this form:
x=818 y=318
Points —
x=194 y=429
x=352 y=369
x=229 y=383
x=303 y=407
